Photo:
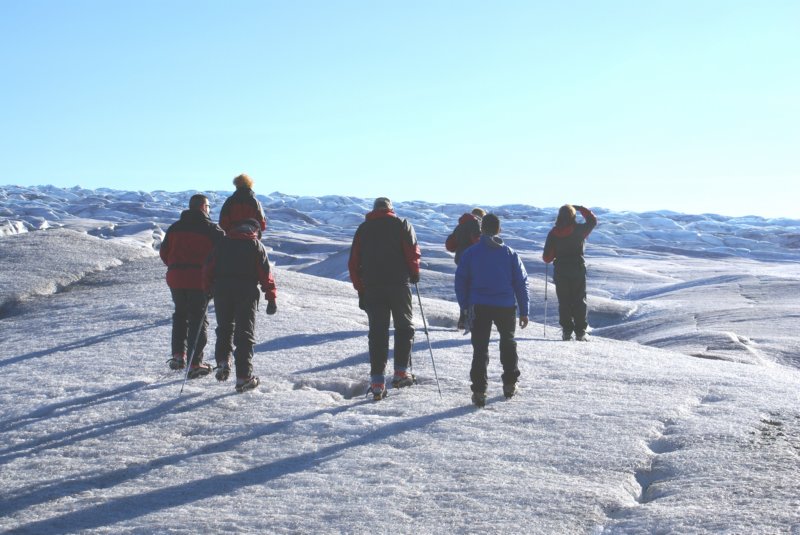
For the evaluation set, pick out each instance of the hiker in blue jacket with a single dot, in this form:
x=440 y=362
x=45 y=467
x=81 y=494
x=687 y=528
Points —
x=491 y=284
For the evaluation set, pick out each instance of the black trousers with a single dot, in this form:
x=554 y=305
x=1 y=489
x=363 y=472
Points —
x=236 y=326
x=189 y=316
x=571 y=293
x=505 y=318
x=385 y=304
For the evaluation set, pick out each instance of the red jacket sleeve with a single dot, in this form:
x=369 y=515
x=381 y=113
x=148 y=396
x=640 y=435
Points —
x=411 y=250
x=268 y=284
x=265 y=277
x=354 y=264
x=412 y=255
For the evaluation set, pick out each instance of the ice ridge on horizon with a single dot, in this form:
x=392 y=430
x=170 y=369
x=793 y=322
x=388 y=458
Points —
x=113 y=213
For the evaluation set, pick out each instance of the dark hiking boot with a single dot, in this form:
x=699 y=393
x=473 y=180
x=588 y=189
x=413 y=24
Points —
x=403 y=379
x=243 y=385
x=177 y=362
x=378 y=391
x=201 y=370
x=566 y=336
x=223 y=371
x=479 y=399
x=509 y=390
x=581 y=337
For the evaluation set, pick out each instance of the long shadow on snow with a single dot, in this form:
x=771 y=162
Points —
x=85 y=342
x=355 y=360
x=134 y=506
x=92 y=430
x=62 y=488
x=52 y=490
x=363 y=358
x=301 y=340
x=63 y=408
x=422 y=344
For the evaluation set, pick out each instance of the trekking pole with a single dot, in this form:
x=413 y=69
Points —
x=546 y=276
x=430 y=348
x=194 y=347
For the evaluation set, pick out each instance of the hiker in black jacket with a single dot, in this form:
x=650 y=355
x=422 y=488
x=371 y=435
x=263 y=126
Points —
x=233 y=271
x=564 y=247
x=384 y=258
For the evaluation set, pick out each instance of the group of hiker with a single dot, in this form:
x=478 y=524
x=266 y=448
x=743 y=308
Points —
x=491 y=284
x=225 y=261
x=228 y=262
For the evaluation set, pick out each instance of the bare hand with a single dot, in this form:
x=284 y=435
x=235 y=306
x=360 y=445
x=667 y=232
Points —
x=523 y=322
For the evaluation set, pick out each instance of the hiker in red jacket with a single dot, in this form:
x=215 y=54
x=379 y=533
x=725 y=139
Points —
x=564 y=247
x=242 y=205
x=184 y=249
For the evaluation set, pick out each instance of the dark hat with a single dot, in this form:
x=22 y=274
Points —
x=382 y=203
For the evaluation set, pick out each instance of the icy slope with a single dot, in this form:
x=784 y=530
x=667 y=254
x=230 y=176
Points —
x=604 y=437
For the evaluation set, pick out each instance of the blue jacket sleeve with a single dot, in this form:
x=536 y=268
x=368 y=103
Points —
x=520 y=283
x=463 y=277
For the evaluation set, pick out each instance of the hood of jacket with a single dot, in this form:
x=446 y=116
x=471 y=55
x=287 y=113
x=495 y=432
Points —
x=379 y=213
x=494 y=242
x=195 y=216
x=467 y=217
x=243 y=192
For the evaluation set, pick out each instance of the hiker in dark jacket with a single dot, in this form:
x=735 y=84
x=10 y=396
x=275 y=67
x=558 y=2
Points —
x=384 y=258
x=466 y=233
x=242 y=205
x=564 y=247
x=233 y=271
x=185 y=247
x=491 y=282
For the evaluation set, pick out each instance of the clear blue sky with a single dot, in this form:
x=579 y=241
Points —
x=688 y=105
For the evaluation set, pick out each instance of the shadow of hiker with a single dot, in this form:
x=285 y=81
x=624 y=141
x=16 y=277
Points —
x=85 y=342
x=62 y=408
x=302 y=340
x=63 y=438
x=420 y=350
x=354 y=360
x=61 y=488
x=442 y=344
x=136 y=505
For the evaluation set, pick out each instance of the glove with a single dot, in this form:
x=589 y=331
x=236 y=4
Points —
x=361 y=304
x=414 y=278
x=272 y=308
